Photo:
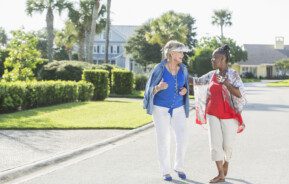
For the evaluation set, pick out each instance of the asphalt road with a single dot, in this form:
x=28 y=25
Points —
x=260 y=155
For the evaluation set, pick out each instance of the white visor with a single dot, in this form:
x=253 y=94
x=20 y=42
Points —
x=181 y=49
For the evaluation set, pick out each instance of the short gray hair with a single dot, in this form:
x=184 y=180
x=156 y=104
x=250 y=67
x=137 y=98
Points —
x=174 y=45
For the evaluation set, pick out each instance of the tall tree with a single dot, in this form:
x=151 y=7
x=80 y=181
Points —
x=172 y=26
x=81 y=17
x=144 y=47
x=92 y=30
x=107 y=28
x=141 y=50
x=237 y=52
x=222 y=18
x=200 y=63
x=282 y=66
x=67 y=38
x=42 y=42
x=49 y=6
x=3 y=36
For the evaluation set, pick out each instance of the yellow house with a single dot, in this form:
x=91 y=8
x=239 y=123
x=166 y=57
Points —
x=262 y=58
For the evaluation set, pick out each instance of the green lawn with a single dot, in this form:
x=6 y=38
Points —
x=250 y=80
x=283 y=83
x=111 y=113
x=136 y=94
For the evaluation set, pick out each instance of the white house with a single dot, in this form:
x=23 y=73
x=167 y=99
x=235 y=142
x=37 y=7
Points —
x=119 y=35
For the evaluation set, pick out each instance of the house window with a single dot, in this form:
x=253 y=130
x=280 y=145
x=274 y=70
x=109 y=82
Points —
x=114 y=49
x=94 y=49
x=102 y=49
x=245 y=69
x=98 y=49
x=112 y=62
x=118 y=49
x=111 y=49
x=131 y=65
x=251 y=69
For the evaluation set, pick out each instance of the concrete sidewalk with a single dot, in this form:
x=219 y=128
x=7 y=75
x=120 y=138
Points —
x=21 y=147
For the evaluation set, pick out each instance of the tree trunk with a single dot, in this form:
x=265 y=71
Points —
x=87 y=45
x=50 y=34
x=222 y=35
x=81 y=47
x=107 y=28
x=92 y=31
x=69 y=53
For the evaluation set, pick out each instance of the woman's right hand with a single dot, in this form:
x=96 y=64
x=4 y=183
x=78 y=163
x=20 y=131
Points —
x=162 y=85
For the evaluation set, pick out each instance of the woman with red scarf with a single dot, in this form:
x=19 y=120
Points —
x=219 y=97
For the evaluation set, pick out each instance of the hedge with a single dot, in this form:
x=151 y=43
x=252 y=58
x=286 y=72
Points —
x=122 y=81
x=99 y=78
x=140 y=82
x=109 y=68
x=12 y=96
x=64 y=70
x=20 y=95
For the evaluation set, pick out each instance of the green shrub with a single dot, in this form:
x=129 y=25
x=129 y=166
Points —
x=38 y=69
x=11 y=96
x=46 y=93
x=109 y=68
x=21 y=95
x=122 y=81
x=140 y=82
x=65 y=70
x=23 y=57
x=85 y=91
x=99 y=78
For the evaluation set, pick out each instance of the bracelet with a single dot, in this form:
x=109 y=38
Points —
x=156 y=89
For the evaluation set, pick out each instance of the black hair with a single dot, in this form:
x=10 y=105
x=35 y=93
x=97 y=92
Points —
x=224 y=50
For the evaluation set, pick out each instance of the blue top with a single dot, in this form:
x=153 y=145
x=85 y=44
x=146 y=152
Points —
x=170 y=97
x=154 y=79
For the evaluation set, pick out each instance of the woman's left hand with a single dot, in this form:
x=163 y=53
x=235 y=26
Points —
x=221 y=79
x=183 y=91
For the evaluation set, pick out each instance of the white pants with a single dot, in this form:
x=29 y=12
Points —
x=222 y=133
x=163 y=124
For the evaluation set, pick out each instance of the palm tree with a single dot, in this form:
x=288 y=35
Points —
x=81 y=18
x=107 y=28
x=67 y=38
x=222 y=18
x=94 y=17
x=170 y=26
x=48 y=6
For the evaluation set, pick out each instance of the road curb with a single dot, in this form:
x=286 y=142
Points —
x=12 y=174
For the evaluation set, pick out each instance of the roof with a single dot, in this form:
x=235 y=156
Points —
x=124 y=30
x=264 y=54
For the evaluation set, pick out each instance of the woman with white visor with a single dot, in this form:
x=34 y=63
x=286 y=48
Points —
x=167 y=100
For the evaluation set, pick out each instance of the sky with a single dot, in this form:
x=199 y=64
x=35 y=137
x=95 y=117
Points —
x=254 y=21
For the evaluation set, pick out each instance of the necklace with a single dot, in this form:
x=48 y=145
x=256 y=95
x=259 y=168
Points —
x=222 y=73
x=171 y=71
x=175 y=77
